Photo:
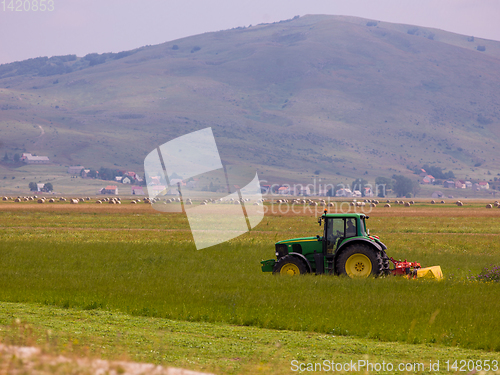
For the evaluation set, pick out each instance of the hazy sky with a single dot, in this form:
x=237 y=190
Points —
x=85 y=26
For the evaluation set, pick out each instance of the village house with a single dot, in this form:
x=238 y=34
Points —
x=30 y=159
x=155 y=190
x=368 y=192
x=483 y=185
x=460 y=184
x=284 y=190
x=437 y=194
x=137 y=190
x=343 y=193
x=110 y=189
x=428 y=180
x=75 y=169
x=449 y=184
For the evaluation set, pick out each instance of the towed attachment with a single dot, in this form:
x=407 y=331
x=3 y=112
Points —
x=413 y=270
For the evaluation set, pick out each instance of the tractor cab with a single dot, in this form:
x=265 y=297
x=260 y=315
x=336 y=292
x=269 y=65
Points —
x=337 y=229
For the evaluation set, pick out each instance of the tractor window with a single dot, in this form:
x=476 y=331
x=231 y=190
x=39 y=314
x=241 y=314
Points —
x=362 y=228
x=334 y=231
x=350 y=228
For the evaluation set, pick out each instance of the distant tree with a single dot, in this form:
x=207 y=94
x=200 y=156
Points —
x=48 y=187
x=402 y=186
x=195 y=49
x=17 y=157
x=175 y=47
x=415 y=188
x=382 y=184
x=6 y=157
x=33 y=186
x=107 y=173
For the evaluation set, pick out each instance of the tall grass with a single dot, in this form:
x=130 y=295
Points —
x=224 y=284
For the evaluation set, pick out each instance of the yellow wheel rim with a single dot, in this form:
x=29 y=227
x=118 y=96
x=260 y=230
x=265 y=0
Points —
x=358 y=265
x=290 y=269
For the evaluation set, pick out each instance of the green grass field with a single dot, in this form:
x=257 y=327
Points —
x=126 y=271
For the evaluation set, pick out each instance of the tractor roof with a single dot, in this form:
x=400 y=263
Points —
x=353 y=215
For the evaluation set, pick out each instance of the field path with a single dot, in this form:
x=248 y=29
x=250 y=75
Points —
x=29 y=359
x=40 y=137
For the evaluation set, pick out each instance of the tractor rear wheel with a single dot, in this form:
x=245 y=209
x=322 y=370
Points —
x=290 y=265
x=359 y=260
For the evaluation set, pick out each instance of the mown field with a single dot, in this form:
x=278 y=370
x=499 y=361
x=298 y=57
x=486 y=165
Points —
x=128 y=278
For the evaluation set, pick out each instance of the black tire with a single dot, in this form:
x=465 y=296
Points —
x=290 y=265
x=359 y=260
x=385 y=263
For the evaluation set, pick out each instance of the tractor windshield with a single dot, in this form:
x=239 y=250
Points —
x=337 y=229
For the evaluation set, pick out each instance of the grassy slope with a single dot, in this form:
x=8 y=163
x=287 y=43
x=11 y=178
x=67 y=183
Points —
x=220 y=348
x=317 y=93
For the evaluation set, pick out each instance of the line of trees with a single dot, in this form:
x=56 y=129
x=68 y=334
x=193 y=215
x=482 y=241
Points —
x=435 y=172
x=15 y=158
x=46 y=187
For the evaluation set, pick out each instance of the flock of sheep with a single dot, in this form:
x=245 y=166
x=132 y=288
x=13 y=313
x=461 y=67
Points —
x=308 y=201
x=371 y=202
x=204 y=202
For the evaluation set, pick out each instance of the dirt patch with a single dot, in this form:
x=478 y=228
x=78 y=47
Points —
x=31 y=360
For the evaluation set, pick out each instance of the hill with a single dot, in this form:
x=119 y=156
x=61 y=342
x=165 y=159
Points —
x=326 y=97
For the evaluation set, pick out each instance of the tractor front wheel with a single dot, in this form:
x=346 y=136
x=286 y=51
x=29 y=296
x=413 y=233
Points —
x=359 y=260
x=290 y=265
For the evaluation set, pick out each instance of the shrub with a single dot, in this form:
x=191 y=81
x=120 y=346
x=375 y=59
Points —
x=488 y=274
x=195 y=49
x=175 y=47
x=481 y=48
x=371 y=23
x=413 y=31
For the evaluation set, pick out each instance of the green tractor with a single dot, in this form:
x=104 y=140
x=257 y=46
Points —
x=346 y=248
